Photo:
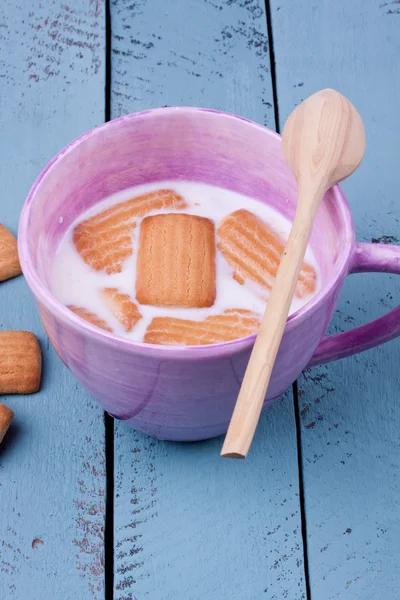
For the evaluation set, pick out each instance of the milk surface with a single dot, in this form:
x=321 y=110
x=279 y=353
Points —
x=73 y=282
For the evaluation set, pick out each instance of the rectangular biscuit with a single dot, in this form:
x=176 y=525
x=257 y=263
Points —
x=254 y=250
x=176 y=261
x=20 y=363
x=232 y=324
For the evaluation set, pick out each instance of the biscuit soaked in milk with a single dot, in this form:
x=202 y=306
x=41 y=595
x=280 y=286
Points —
x=175 y=263
x=90 y=317
x=104 y=240
x=122 y=307
x=233 y=324
x=254 y=250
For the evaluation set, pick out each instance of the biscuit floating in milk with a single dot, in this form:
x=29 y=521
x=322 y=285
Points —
x=90 y=317
x=104 y=241
x=232 y=324
x=20 y=363
x=9 y=261
x=122 y=307
x=176 y=261
x=254 y=250
x=6 y=416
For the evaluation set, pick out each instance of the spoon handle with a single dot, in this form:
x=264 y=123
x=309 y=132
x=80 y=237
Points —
x=252 y=393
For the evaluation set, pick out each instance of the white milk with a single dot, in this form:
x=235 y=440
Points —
x=75 y=283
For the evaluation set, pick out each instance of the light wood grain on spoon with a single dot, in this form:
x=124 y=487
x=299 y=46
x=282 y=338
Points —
x=323 y=142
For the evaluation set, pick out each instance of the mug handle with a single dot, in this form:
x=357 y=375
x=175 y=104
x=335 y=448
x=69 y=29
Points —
x=368 y=258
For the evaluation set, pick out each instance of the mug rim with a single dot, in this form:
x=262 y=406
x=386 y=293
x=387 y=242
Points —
x=44 y=296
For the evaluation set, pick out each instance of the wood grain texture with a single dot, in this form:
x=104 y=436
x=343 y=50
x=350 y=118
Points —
x=209 y=53
x=188 y=525
x=349 y=410
x=52 y=478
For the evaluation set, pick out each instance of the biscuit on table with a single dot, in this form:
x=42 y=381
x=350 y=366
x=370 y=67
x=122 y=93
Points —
x=9 y=261
x=6 y=416
x=176 y=261
x=20 y=363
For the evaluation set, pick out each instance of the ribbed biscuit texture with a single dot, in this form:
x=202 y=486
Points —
x=232 y=324
x=176 y=261
x=122 y=307
x=254 y=250
x=105 y=240
x=20 y=363
x=90 y=317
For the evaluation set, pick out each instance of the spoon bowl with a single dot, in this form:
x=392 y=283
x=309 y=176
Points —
x=323 y=140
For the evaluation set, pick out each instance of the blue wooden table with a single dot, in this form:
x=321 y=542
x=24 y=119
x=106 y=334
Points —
x=88 y=507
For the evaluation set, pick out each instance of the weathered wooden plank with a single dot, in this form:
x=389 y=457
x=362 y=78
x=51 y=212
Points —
x=187 y=524
x=350 y=412
x=212 y=53
x=52 y=472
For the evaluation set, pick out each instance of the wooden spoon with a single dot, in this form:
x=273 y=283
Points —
x=323 y=142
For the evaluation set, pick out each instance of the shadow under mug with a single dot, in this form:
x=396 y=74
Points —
x=179 y=393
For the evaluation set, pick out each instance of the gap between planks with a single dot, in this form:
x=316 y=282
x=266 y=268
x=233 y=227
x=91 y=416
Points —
x=108 y=421
x=295 y=391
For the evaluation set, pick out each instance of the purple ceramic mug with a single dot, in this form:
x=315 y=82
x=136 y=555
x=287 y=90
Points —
x=179 y=393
